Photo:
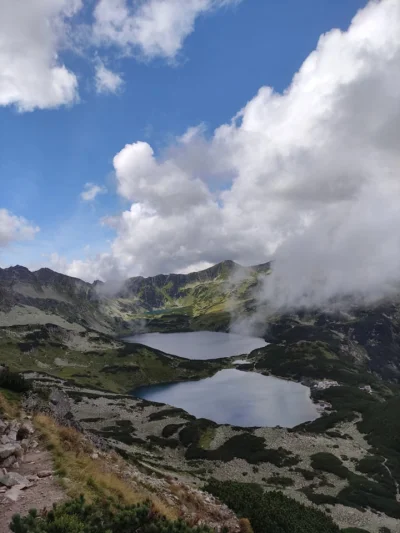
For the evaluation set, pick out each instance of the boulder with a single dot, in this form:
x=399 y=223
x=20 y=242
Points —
x=24 y=444
x=13 y=478
x=8 y=449
x=10 y=461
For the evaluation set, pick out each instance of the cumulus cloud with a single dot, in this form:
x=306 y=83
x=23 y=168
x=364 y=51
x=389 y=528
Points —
x=34 y=33
x=309 y=177
x=106 y=80
x=161 y=185
x=157 y=28
x=14 y=228
x=31 y=73
x=91 y=191
x=100 y=267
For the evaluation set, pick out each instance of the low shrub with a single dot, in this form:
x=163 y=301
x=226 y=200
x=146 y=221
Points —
x=168 y=413
x=13 y=381
x=170 y=430
x=244 y=446
x=163 y=443
x=76 y=516
x=328 y=462
x=270 y=512
x=281 y=481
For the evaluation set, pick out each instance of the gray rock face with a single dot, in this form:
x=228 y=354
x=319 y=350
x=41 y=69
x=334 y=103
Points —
x=59 y=403
x=15 y=441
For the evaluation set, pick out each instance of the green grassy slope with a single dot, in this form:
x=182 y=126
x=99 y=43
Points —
x=95 y=360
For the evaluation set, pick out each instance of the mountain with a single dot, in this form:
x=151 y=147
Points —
x=46 y=296
x=347 y=462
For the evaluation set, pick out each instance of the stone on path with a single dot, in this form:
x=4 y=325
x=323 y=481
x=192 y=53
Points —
x=13 y=478
x=8 y=449
x=45 y=473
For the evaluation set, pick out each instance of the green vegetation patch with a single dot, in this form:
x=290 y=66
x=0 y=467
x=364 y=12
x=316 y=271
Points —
x=327 y=462
x=119 y=368
x=76 y=516
x=121 y=432
x=373 y=467
x=280 y=481
x=170 y=430
x=270 y=512
x=13 y=381
x=162 y=442
x=173 y=412
x=312 y=359
x=244 y=446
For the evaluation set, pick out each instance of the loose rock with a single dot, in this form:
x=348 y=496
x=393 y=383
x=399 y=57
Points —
x=14 y=493
x=8 y=449
x=13 y=478
x=9 y=461
x=45 y=473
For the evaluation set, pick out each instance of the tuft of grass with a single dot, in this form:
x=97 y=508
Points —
x=245 y=526
x=9 y=403
x=206 y=438
x=92 y=478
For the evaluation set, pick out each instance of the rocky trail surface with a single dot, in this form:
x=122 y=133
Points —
x=26 y=472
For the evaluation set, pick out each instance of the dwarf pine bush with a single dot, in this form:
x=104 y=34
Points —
x=76 y=516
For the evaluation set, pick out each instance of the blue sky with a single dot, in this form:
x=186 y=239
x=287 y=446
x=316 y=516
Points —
x=48 y=155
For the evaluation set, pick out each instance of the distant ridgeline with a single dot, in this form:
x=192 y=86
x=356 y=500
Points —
x=45 y=296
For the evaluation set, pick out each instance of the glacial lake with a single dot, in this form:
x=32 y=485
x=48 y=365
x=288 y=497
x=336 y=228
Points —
x=200 y=344
x=238 y=398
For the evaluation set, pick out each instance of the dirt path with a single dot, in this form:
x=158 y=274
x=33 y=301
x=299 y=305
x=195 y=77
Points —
x=394 y=481
x=42 y=494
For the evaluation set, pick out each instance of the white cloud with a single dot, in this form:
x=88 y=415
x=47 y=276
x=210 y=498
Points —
x=160 y=185
x=100 y=267
x=34 y=33
x=310 y=177
x=14 y=228
x=31 y=73
x=91 y=191
x=157 y=28
x=106 y=80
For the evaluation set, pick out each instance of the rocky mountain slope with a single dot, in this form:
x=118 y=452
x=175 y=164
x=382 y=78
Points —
x=43 y=462
x=61 y=333
x=45 y=296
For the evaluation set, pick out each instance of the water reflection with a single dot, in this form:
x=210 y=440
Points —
x=238 y=398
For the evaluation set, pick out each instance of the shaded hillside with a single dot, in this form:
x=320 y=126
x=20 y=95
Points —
x=362 y=339
x=46 y=296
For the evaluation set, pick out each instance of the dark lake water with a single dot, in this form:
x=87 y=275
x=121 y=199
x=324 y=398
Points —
x=200 y=344
x=238 y=398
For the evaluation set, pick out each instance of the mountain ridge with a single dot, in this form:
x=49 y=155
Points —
x=41 y=295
